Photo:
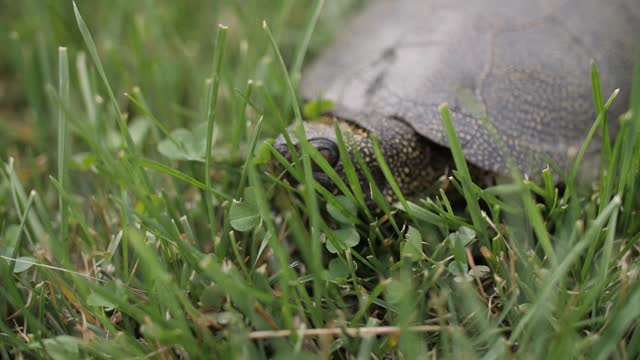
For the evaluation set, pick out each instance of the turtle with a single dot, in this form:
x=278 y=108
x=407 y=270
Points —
x=515 y=73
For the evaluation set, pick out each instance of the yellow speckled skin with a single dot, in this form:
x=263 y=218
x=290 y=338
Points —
x=415 y=163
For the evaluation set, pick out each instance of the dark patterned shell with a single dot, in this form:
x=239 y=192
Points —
x=519 y=67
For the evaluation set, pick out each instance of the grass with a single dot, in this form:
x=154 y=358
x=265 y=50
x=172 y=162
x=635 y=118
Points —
x=123 y=240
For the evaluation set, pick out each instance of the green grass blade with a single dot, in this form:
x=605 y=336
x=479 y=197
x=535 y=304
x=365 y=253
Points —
x=211 y=113
x=585 y=145
x=93 y=52
x=387 y=174
x=63 y=140
x=465 y=176
x=564 y=265
x=599 y=105
x=150 y=164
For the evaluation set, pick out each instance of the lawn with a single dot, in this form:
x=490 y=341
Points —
x=120 y=237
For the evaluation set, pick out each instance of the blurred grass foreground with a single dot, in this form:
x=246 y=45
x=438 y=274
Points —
x=137 y=219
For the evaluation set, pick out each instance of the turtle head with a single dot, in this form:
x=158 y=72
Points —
x=408 y=155
x=322 y=136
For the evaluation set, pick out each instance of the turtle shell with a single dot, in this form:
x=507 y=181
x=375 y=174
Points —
x=515 y=73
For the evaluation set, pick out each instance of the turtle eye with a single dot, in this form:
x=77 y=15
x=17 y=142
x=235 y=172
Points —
x=327 y=148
